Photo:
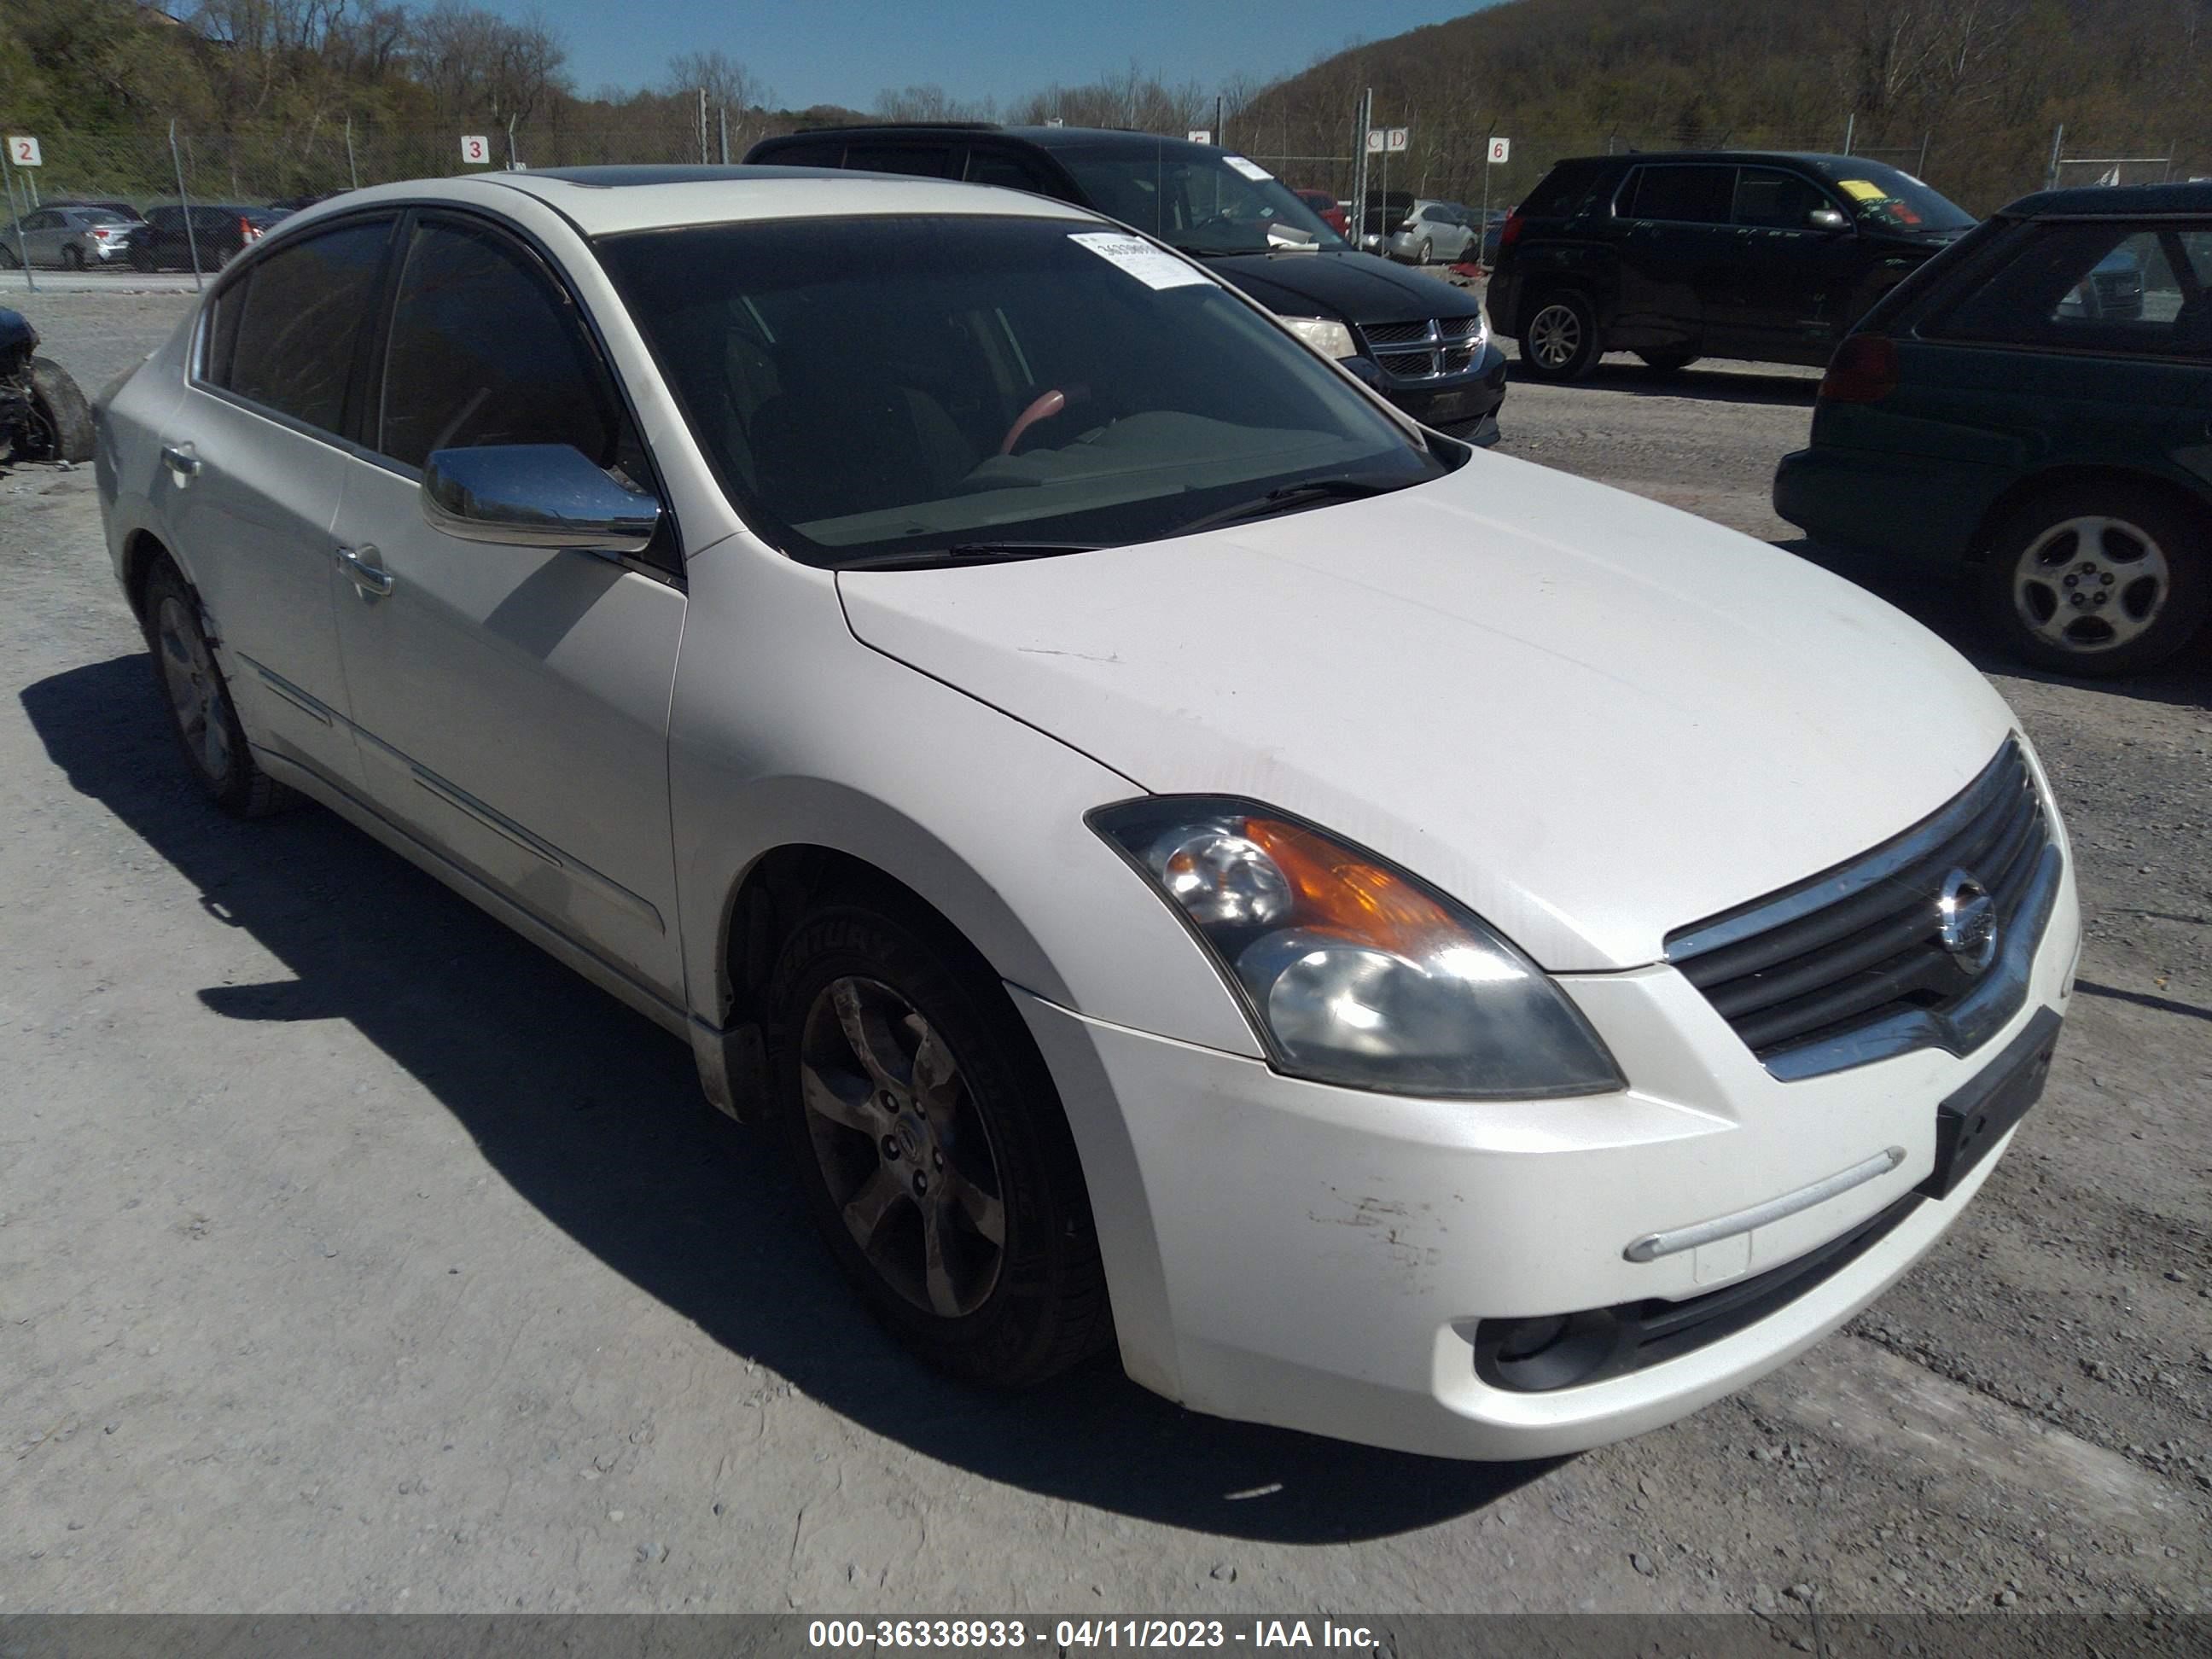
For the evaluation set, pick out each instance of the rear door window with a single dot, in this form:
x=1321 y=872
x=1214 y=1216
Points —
x=284 y=335
x=1562 y=190
x=999 y=167
x=1698 y=194
x=921 y=161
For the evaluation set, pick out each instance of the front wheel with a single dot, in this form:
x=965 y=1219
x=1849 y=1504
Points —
x=73 y=256
x=61 y=422
x=142 y=258
x=932 y=1149
x=9 y=258
x=2100 y=579
x=1668 y=362
x=1560 y=341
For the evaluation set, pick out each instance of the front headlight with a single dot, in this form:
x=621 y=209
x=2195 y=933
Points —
x=1324 y=334
x=1352 y=972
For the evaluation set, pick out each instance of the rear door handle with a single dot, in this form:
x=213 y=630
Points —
x=181 y=460
x=371 y=579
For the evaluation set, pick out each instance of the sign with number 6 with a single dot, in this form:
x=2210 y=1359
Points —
x=475 y=149
x=1501 y=151
x=24 y=151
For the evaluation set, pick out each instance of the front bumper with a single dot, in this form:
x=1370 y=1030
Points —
x=1459 y=405
x=1320 y=1258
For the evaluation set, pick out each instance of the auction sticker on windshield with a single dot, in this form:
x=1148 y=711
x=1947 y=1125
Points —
x=1148 y=264
x=1251 y=170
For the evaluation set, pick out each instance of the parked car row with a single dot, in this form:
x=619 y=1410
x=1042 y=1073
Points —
x=1124 y=807
x=109 y=234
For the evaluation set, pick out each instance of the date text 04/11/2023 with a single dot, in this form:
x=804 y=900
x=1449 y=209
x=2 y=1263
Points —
x=1068 y=1634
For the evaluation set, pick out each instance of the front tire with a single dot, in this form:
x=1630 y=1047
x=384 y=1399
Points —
x=73 y=256
x=2097 y=580
x=1560 y=341
x=931 y=1146
x=201 y=712
x=63 y=420
x=1668 y=362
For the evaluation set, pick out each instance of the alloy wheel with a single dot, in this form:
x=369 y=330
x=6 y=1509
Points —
x=1555 y=334
x=196 y=693
x=906 y=1156
x=2091 y=583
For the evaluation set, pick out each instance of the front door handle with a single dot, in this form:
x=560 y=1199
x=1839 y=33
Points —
x=181 y=460
x=358 y=564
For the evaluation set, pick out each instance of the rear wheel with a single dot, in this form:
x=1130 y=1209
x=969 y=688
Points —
x=2097 y=580
x=930 y=1146
x=1425 y=253
x=142 y=258
x=73 y=256
x=1560 y=341
x=200 y=709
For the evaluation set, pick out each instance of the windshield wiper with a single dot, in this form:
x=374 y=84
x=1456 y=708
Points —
x=1351 y=486
x=970 y=553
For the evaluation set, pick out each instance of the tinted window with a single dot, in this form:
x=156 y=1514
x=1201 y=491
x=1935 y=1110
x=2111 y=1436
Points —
x=2115 y=288
x=1562 y=190
x=1778 y=200
x=166 y=218
x=814 y=154
x=486 y=349
x=923 y=160
x=1197 y=199
x=284 y=336
x=895 y=386
x=996 y=166
x=1691 y=195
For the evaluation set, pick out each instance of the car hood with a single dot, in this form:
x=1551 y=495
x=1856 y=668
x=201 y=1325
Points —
x=1590 y=718
x=1358 y=288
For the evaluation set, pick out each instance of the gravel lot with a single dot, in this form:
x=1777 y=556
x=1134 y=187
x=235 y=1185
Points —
x=354 y=1256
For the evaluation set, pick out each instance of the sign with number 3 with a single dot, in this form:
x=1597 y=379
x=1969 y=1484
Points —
x=475 y=150
x=24 y=152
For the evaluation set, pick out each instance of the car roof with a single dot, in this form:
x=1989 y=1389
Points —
x=603 y=201
x=1044 y=138
x=2106 y=201
x=1805 y=157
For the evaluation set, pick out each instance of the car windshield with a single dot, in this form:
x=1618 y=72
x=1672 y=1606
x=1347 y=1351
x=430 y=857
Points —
x=1883 y=197
x=885 y=388
x=1201 y=201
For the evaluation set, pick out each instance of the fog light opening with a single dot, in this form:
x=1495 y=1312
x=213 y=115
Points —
x=1550 y=1351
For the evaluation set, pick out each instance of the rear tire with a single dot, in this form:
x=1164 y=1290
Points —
x=1425 y=253
x=898 y=1063
x=2097 y=580
x=201 y=712
x=142 y=259
x=59 y=406
x=1560 y=340
x=1668 y=362
x=73 y=256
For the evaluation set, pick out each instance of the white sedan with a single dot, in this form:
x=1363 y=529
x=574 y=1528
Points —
x=1397 y=941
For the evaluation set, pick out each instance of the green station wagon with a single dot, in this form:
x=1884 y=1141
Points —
x=2035 y=406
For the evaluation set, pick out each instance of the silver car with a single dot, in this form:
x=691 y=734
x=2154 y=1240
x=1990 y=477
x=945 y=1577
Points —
x=72 y=238
x=1433 y=231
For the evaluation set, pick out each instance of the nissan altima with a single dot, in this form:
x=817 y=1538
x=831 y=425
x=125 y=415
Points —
x=1388 y=939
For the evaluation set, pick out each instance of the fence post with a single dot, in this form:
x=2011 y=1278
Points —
x=2058 y=144
x=22 y=247
x=510 y=140
x=702 y=126
x=1921 y=172
x=352 y=171
x=1851 y=129
x=722 y=115
x=185 y=201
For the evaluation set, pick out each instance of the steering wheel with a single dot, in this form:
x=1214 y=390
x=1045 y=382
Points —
x=1042 y=408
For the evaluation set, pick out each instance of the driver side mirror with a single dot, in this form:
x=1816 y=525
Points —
x=535 y=496
x=1827 y=218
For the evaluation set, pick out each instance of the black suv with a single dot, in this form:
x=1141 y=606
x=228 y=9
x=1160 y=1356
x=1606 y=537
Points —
x=1420 y=343
x=217 y=235
x=1708 y=254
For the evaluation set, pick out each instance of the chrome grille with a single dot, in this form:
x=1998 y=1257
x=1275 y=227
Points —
x=1425 y=348
x=1851 y=966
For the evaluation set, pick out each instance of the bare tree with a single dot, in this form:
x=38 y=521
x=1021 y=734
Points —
x=477 y=63
x=728 y=83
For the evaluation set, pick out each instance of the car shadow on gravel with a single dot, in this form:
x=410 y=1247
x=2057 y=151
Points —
x=1943 y=604
x=1696 y=384
x=593 y=1114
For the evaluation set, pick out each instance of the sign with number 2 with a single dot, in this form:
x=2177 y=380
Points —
x=24 y=152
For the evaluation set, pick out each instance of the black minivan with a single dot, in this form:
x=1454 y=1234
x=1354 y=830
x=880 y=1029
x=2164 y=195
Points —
x=1708 y=254
x=1421 y=342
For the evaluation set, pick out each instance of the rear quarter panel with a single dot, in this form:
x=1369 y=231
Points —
x=128 y=416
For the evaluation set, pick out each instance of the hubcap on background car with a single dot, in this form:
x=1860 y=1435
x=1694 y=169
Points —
x=195 y=691
x=906 y=1156
x=2090 y=583
x=1555 y=336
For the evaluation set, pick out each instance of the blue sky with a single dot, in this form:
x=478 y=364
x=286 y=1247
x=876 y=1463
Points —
x=846 y=51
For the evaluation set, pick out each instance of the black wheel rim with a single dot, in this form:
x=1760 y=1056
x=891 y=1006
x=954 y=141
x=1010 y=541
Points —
x=196 y=693
x=905 y=1154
